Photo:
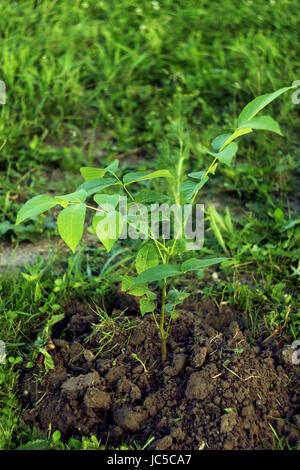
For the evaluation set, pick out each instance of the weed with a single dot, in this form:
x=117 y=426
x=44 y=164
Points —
x=107 y=328
x=135 y=356
x=280 y=443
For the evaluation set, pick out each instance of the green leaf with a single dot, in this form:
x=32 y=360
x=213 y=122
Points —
x=266 y=123
x=128 y=286
x=5 y=226
x=96 y=219
x=89 y=173
x=138 y=176
x=37 y=292
x=290 y=224
x=180 y=246
x=35 y=206
x=30 y=278
x=138 y=291
x=53 y=320
x=146 y=306
x=226 y=155
x=256 y=105
x=70 y=222
x=146 y=258
x=97 y=185
x=198 y=175
x=104 y=200
x=157 y=273
x=194 y=263
x=279 y=215
x=176 y=296
x=246 y=122
x=112 y=168
x=127 y=283
x=219 y=141
x=48 y=361
x=151 y=295
x=78 y=196
x=37 y=444
x=147 y=195
x=56 y=436
x=201 y=183
x=109 y=229
x=189 y=188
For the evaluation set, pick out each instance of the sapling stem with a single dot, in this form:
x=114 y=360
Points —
x=162 y=322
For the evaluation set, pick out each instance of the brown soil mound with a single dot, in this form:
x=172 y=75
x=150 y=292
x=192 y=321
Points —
x=215 y=392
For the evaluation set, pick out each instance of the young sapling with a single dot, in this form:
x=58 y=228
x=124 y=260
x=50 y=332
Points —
x=119 y=213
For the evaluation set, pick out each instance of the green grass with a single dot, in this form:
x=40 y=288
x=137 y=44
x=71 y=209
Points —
x=123 y=68
x=91 y=81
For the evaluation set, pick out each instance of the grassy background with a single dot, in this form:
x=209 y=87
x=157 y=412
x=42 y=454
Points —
x=93 y=81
